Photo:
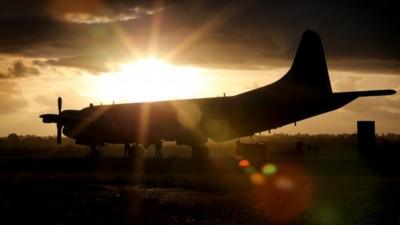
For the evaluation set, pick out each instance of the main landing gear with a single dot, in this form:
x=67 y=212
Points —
x=200 y=151
x=158 y=150
x=94 y=151
x=133 y=151
x=137 y=150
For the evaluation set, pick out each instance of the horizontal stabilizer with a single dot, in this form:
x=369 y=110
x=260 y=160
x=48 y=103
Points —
x=369 y=93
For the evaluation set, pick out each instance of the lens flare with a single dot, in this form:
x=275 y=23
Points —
x=244 y=163
x=257 y=179
x=285 y=196
x=284 y=183
x=249 y=170
x=269 y=169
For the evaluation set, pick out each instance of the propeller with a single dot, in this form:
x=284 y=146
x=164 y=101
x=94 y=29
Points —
x=59 y=104
x=55 y=118
x=59 y=125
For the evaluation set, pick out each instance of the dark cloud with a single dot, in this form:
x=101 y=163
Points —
x=375 y=66
x=93 y=65
x=19 y=69
x=362 y=37
x=229 y=34
x=79 y=11
x=91 y=12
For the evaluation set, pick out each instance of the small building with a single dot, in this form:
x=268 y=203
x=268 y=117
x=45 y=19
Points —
x=366 y=142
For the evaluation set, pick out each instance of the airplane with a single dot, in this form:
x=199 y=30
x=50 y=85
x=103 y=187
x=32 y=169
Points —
x=304 y=91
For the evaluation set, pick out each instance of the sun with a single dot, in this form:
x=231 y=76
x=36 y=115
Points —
x=149 y=79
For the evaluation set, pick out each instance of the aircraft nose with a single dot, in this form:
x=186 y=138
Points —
x=49 y=118
x=64 y=116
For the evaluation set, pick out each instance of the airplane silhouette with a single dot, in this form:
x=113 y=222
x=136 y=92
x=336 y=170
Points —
x=304 y=91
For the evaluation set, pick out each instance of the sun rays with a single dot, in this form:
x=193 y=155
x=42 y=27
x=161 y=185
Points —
x=149 y=76
x=149 y=79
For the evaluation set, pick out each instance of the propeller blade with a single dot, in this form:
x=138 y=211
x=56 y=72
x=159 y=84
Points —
x=59 y=133
x=59 y=102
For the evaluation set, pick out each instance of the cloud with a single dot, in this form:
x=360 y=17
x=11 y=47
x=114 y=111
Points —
x=19 y=69
x=93 y=65
x=11 y=104
x=384 y=107
x=71 y=100
x=3 y=76
x=224 y=34
x=10 y=97
x=9 y=87
x=373 y=66
x=348 y=83
x=95 y=11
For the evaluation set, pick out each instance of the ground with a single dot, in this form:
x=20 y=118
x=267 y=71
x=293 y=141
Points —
x=183 y=191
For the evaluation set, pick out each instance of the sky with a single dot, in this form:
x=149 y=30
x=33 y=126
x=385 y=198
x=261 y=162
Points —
x=103 y=51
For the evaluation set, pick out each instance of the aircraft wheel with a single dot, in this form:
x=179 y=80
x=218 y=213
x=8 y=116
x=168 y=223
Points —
x=158 y=150
x=126 y=150
x=200 y=152
x=204 y=152
x=195 y=152
x=139 y=151
x=94 y=152
x=136 y=151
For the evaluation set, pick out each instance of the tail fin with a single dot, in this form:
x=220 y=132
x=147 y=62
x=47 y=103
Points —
x=309 y=71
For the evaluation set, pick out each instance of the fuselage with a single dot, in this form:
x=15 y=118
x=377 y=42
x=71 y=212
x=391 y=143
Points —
x=194 y=120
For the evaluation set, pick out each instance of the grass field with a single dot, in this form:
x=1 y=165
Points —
x=182 y=191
